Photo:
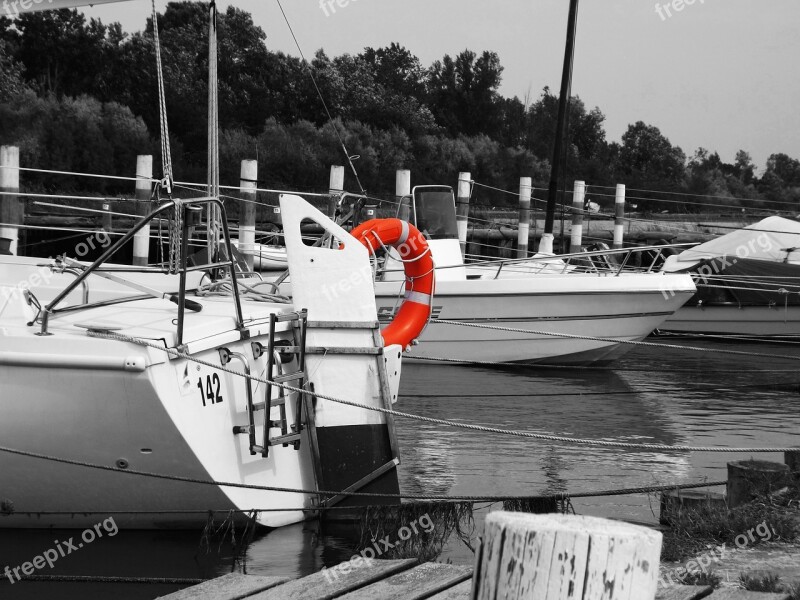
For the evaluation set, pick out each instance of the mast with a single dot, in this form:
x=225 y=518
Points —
x=546 y=244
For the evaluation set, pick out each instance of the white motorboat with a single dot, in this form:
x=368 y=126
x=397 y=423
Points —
x=89 y=374
x=748 y=283
x=576 y=317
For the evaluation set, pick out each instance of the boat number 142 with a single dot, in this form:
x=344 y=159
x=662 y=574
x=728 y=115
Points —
x=210 y=391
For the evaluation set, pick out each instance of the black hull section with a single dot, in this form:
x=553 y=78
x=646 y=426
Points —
x=350 y=453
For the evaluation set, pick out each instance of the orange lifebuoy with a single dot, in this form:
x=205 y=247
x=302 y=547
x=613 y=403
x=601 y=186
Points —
x=418 y=264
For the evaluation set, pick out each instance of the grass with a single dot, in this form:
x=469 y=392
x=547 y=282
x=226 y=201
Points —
x=693 y=530
x=767 y=582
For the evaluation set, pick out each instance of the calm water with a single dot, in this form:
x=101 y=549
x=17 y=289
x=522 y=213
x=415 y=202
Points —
x=652 y=395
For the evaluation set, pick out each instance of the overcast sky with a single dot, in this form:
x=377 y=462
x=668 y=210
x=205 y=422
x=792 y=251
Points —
x=721 y=74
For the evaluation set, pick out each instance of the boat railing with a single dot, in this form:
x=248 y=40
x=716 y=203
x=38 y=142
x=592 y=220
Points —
x=613 y=261
x=189 y=209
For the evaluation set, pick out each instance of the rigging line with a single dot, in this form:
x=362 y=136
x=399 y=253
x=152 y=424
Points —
x=611 y=187
x=321 y=97
x=515 y=366
x=52 y=172
x=619 y=341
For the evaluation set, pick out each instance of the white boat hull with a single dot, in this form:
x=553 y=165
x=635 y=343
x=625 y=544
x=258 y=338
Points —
x=617 y=309
x=733 y=320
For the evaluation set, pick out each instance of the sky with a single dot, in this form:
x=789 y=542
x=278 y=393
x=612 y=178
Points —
x=721 y=74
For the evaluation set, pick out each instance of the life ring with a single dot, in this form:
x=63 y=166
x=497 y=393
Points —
x=415 y=253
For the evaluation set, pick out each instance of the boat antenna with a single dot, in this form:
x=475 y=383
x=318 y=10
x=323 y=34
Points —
x=350 y=158
x=546 y=244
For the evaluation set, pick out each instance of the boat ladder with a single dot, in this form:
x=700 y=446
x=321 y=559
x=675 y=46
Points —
x=278 y=353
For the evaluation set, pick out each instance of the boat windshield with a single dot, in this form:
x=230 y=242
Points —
x=435 y=213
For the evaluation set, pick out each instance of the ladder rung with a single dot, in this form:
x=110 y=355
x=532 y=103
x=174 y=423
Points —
x=342 y=325
x=279 y=401
x=284 y=439
x=289 y=377
x=290 y=316
x=370 y=350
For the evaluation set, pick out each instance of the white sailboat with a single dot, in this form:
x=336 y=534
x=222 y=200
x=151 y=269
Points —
x=109 y=381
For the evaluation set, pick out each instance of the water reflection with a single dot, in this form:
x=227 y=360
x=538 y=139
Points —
x=652 y=395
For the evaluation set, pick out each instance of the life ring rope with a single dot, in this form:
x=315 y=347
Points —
x=414 y=313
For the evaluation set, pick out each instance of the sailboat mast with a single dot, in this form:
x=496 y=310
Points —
x=546 y=245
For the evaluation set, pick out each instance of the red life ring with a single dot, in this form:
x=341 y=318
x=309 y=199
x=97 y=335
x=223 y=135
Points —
x=413 y=248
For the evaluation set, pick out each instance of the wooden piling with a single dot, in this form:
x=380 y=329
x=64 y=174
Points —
x=12 y=210
x=248 y=182
x=144 y=178
x=792 y=460
x=462 y=208
x=402 y=193
x=673 y=502
x=555 y=557
x=619 y=219
x=748 y=479
x=523 y=232
x=578 y=195
x=335 y=189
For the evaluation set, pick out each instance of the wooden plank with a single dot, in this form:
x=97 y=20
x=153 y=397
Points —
x=462 y=591
x=233 y=586
x=415 y=584
x=332 y=583
x=683 y=592
x=734 y=594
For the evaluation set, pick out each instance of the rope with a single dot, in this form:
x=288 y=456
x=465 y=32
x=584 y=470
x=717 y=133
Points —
x=618 y=341
x=268 y=488
x=112 y=579
x=166 y=154
x=322 y=99
x=524 y=434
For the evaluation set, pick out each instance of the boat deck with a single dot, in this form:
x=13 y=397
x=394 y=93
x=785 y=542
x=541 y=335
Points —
x=395 y=580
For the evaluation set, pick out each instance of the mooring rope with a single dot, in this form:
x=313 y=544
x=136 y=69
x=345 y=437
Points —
x=270 y=488
x=111 y=579
x=617 y=341
x=389 y=411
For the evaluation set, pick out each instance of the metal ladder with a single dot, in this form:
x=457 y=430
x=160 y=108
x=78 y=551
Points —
x=279 y=352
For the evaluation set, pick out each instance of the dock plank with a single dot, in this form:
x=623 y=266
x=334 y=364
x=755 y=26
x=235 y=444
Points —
x=683 y=592
x=334 y=582
x=733 y=594
x=414 y=584
x=233 y=586
x=462 y=591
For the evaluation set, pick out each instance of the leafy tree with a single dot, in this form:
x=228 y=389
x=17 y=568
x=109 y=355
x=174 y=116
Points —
x=11 y=80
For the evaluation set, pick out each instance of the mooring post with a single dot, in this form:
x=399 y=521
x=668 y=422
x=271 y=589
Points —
x=524 y=216
x=108 y=221
x=12 y=210
x=749 y=479
x=248 y=182
x=462 y=208
x=144 y=182
x=576 y=238
x=792 y=460
x=402 y=194
x=556 y=557
x=619 y=218
x=335 y=190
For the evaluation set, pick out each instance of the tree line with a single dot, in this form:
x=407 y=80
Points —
x=81 y=95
